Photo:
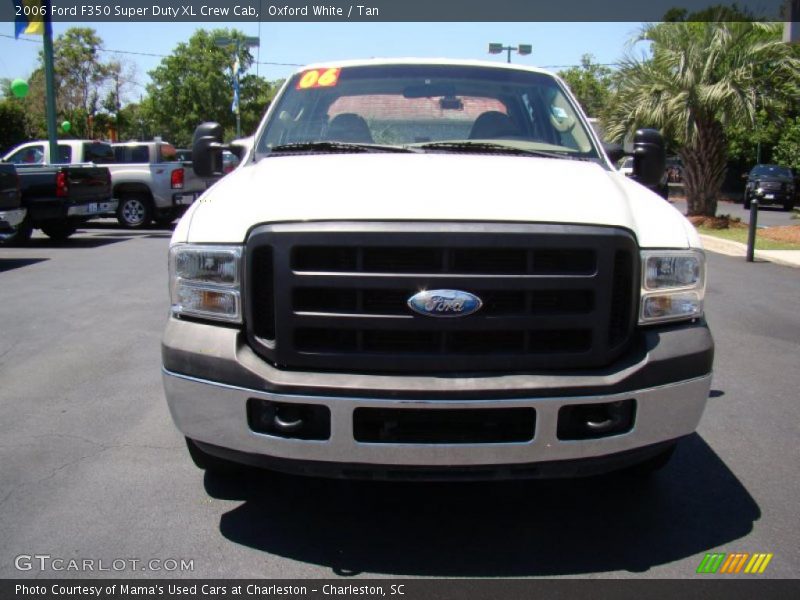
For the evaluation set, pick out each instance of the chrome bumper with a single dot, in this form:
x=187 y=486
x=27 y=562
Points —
x=215 y=413
x=12 y=218
x=93 y=209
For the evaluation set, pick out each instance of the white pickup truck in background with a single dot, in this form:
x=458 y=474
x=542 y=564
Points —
x=147 y=179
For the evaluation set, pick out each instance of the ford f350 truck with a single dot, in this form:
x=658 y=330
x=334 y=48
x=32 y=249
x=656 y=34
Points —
x=431 y=269
x=11 y=212
x=54 y=198
x=147 y=181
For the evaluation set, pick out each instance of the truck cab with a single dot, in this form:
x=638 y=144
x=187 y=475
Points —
x=431 y=269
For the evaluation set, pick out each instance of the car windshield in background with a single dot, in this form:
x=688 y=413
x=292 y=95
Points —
x=416 y=106
x=771 y=171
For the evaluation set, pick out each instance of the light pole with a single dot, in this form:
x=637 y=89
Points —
x=522 y=49
x=236 y=44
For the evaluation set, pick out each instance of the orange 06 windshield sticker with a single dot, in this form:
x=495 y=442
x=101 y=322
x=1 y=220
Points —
x=316 y=78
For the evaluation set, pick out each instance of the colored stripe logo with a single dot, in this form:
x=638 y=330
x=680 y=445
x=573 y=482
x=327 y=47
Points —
x=735 y=563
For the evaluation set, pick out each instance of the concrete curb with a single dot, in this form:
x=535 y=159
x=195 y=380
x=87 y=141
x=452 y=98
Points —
x=787 y=258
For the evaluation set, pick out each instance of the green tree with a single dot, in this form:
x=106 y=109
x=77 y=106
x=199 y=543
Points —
x=195 y=84
x=136 y=121
x=591 y=84
x=14 y=129
x=700 y=79
x=717 y=13
x=787 y=150
x=80 y=77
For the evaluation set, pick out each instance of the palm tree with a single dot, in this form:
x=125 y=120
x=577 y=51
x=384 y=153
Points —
x=701 y=77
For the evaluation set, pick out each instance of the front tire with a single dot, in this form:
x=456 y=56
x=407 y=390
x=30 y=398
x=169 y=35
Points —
x=788 y=206
x=653 y=464
x=165 y=221
x=747 y=202
x=21 y=235
x=209 y=462
x=58 y=231
x=134 y=211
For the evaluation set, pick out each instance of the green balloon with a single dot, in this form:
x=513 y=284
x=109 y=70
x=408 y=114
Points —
x=66 y=126
x=19 y=87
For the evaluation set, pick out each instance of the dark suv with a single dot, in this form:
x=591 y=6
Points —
x=770 y=184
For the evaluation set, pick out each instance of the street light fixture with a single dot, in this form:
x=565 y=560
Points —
x=236 y=44
x=522 y=49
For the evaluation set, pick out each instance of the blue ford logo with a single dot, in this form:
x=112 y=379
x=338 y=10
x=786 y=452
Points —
x=444 y=303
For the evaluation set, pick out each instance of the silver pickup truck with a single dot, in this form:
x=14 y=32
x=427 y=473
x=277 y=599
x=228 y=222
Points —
x=147 y=179
x=151 y=184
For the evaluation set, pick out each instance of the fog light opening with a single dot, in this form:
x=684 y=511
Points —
x=592 y=421
x=289 y=420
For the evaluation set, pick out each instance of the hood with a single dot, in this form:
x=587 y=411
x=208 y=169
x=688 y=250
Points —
x=772 y=178
x=428 y=187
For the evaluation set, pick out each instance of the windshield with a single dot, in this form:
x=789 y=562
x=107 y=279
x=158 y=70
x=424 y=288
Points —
x=418 y=106
x=771 y=170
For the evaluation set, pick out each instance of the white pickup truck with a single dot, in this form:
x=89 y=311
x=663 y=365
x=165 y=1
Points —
x=431 y=269
x=148 y=181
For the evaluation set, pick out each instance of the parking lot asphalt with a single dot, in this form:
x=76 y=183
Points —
x=91 y=466
x=768 y=216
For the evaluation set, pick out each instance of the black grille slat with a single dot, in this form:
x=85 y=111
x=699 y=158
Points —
x=554 y=296
x=431 y=343
x=393 y=302
x=472 y=261
x=260 y=281
x=622 y=299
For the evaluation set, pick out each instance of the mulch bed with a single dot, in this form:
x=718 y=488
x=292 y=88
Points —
x=720 y=222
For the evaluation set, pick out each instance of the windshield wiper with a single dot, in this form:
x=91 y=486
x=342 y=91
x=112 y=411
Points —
x=333 y=146
x=491 y=148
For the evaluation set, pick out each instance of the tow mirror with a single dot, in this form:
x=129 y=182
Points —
x=207 y=150
x=615 y=152
x=649 y=157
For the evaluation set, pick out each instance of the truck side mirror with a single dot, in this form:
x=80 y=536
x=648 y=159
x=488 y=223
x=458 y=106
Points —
x=614 y=151
x=238 y=148
x=207 y=149
x=649 y=157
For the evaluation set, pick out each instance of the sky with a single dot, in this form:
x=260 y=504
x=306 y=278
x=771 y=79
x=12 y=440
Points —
x=555 y=45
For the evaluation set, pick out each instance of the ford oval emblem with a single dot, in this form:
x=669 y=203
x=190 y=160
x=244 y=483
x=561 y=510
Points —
x=444 y=303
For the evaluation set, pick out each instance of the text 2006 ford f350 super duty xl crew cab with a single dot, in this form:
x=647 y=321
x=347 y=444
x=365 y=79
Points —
x=432 y=269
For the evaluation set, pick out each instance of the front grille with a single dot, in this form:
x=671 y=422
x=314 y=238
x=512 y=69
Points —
x=333 y=296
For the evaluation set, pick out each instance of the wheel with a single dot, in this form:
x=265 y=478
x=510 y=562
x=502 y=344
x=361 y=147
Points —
x=134 y=211
x=58 y=231
x=652 y=464
x=788 y=206
x=209 y=462
x=747 y=202
x=20 y=236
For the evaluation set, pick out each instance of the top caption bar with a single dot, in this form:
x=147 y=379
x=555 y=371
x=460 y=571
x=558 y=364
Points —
x=133 y=11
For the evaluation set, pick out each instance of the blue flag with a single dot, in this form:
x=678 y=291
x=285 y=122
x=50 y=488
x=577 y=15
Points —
x=33 y=19
x=236 y=71
x=235 y=103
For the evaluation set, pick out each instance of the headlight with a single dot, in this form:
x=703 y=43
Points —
x=673 y=285
x=205 y=281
